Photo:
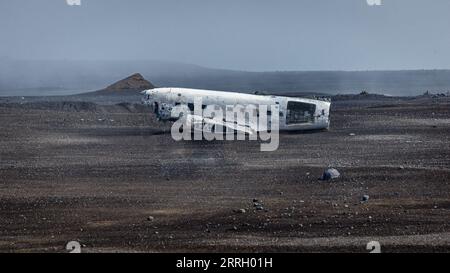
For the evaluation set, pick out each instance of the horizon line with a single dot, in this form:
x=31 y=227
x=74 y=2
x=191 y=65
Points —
x=228 y=69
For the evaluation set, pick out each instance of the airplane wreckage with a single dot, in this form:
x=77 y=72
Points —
x=213 y=113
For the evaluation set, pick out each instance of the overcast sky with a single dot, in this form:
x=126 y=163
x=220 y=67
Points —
x=255 y=35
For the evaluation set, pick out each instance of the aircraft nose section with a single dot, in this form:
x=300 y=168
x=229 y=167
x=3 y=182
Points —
x=147 y=97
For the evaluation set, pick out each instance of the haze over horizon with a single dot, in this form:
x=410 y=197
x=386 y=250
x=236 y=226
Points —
x=237 y=35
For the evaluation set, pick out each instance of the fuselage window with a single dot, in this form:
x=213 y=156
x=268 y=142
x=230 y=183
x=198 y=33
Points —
x=300 y=112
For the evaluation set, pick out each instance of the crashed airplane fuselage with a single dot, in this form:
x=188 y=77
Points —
x=294 y=113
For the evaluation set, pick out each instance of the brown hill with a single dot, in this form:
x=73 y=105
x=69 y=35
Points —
x=133 y=82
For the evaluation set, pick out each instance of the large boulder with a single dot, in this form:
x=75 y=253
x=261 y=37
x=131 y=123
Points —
x=330 y=174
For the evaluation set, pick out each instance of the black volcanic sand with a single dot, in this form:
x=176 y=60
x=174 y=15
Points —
x=113 y=179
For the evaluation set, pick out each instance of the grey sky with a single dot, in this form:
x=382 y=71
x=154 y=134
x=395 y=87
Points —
x=235 y=34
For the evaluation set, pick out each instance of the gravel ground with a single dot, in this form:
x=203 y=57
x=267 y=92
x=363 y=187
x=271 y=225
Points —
x=112 y=178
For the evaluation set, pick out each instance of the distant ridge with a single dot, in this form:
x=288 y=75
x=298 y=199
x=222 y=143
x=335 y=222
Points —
x=38 y=78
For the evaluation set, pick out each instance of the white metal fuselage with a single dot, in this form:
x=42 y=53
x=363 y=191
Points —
x=294 y=113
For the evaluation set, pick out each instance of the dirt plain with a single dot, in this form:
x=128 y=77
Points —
x=112 y=178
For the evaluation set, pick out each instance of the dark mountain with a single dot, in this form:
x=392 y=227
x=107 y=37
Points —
x=133 y=82
x=125 y=90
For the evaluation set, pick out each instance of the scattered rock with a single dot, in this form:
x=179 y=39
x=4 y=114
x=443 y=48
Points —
x=352 y=134
x=365 y=198
x=259 y=207
x=240 y=211
x=257 y=204
x=150 y=218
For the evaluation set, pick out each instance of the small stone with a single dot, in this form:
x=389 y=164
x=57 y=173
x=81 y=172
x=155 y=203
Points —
x=365 y=198
x=352 y=134
x=150 y=218
x=259 y=207
x=240 y=211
